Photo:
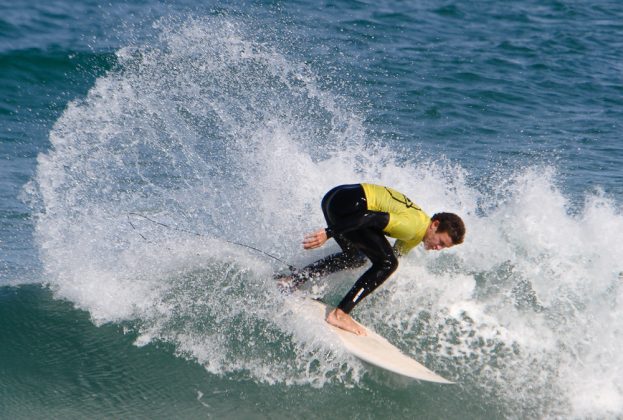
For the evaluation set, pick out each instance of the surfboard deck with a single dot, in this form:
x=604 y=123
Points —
x=377 y=351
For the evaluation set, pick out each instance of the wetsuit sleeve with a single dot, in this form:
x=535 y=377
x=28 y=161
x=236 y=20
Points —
x=368 y=219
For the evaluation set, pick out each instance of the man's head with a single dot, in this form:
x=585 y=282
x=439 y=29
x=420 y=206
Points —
x=444 y=231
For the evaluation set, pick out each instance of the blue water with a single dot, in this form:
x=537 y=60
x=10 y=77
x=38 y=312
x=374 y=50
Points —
x=231 y=120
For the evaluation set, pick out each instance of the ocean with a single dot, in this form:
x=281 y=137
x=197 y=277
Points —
x=160 y=162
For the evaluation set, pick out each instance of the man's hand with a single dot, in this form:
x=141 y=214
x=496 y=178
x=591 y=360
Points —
x=315 y=240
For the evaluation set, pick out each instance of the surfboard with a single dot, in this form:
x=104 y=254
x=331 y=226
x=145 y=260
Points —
x=376 y=350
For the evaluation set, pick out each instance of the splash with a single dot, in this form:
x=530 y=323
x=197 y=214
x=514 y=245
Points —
x=209 y=129
x=199 y=131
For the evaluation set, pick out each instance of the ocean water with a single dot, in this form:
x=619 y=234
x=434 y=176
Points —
x=141 y=142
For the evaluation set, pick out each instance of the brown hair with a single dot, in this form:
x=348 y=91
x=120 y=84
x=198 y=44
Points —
x=451 y=224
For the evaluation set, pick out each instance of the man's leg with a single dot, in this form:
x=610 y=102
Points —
x=384 y=262
x=345 y=202
x=345 y=206
x=349 y=258
x=375 y=246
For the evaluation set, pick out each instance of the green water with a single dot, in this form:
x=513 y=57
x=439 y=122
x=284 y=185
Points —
x=55 y=363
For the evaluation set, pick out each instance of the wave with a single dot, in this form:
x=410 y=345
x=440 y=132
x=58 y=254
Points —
x=213 y=130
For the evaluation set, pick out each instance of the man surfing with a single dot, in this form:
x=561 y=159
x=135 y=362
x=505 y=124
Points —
x=359 y=217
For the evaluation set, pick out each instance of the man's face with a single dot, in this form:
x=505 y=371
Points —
x=436 y=241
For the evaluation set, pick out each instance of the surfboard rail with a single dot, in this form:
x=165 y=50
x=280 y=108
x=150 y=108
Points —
x=378 y=351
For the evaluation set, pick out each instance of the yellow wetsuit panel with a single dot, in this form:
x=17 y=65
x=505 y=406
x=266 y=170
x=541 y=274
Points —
x=407 y=221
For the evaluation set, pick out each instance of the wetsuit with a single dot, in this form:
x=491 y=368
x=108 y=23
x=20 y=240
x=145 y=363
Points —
x=358 y=218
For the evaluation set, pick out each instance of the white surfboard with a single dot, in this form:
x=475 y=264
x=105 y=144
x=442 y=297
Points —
x=376 y=350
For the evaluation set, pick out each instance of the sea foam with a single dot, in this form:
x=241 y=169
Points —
x=213 y=132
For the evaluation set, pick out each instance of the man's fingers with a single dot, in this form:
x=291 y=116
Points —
x=311 y=243
x=312 y=240
x=315 y=239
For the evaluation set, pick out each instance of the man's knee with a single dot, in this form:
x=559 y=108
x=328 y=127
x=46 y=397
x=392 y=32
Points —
x=391 y=263
x=356 y=259
x=387 y=265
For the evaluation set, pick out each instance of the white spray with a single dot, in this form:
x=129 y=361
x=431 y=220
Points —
x=214 y=132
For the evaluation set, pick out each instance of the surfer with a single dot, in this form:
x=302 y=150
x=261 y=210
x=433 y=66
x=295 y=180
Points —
x=359 y=217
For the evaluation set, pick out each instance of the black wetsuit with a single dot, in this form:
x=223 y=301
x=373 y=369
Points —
x=359 y=232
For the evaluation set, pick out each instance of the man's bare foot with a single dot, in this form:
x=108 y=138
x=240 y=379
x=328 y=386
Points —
x=339 y=318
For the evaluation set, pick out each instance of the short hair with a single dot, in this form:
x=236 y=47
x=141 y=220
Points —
x=451 y=224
